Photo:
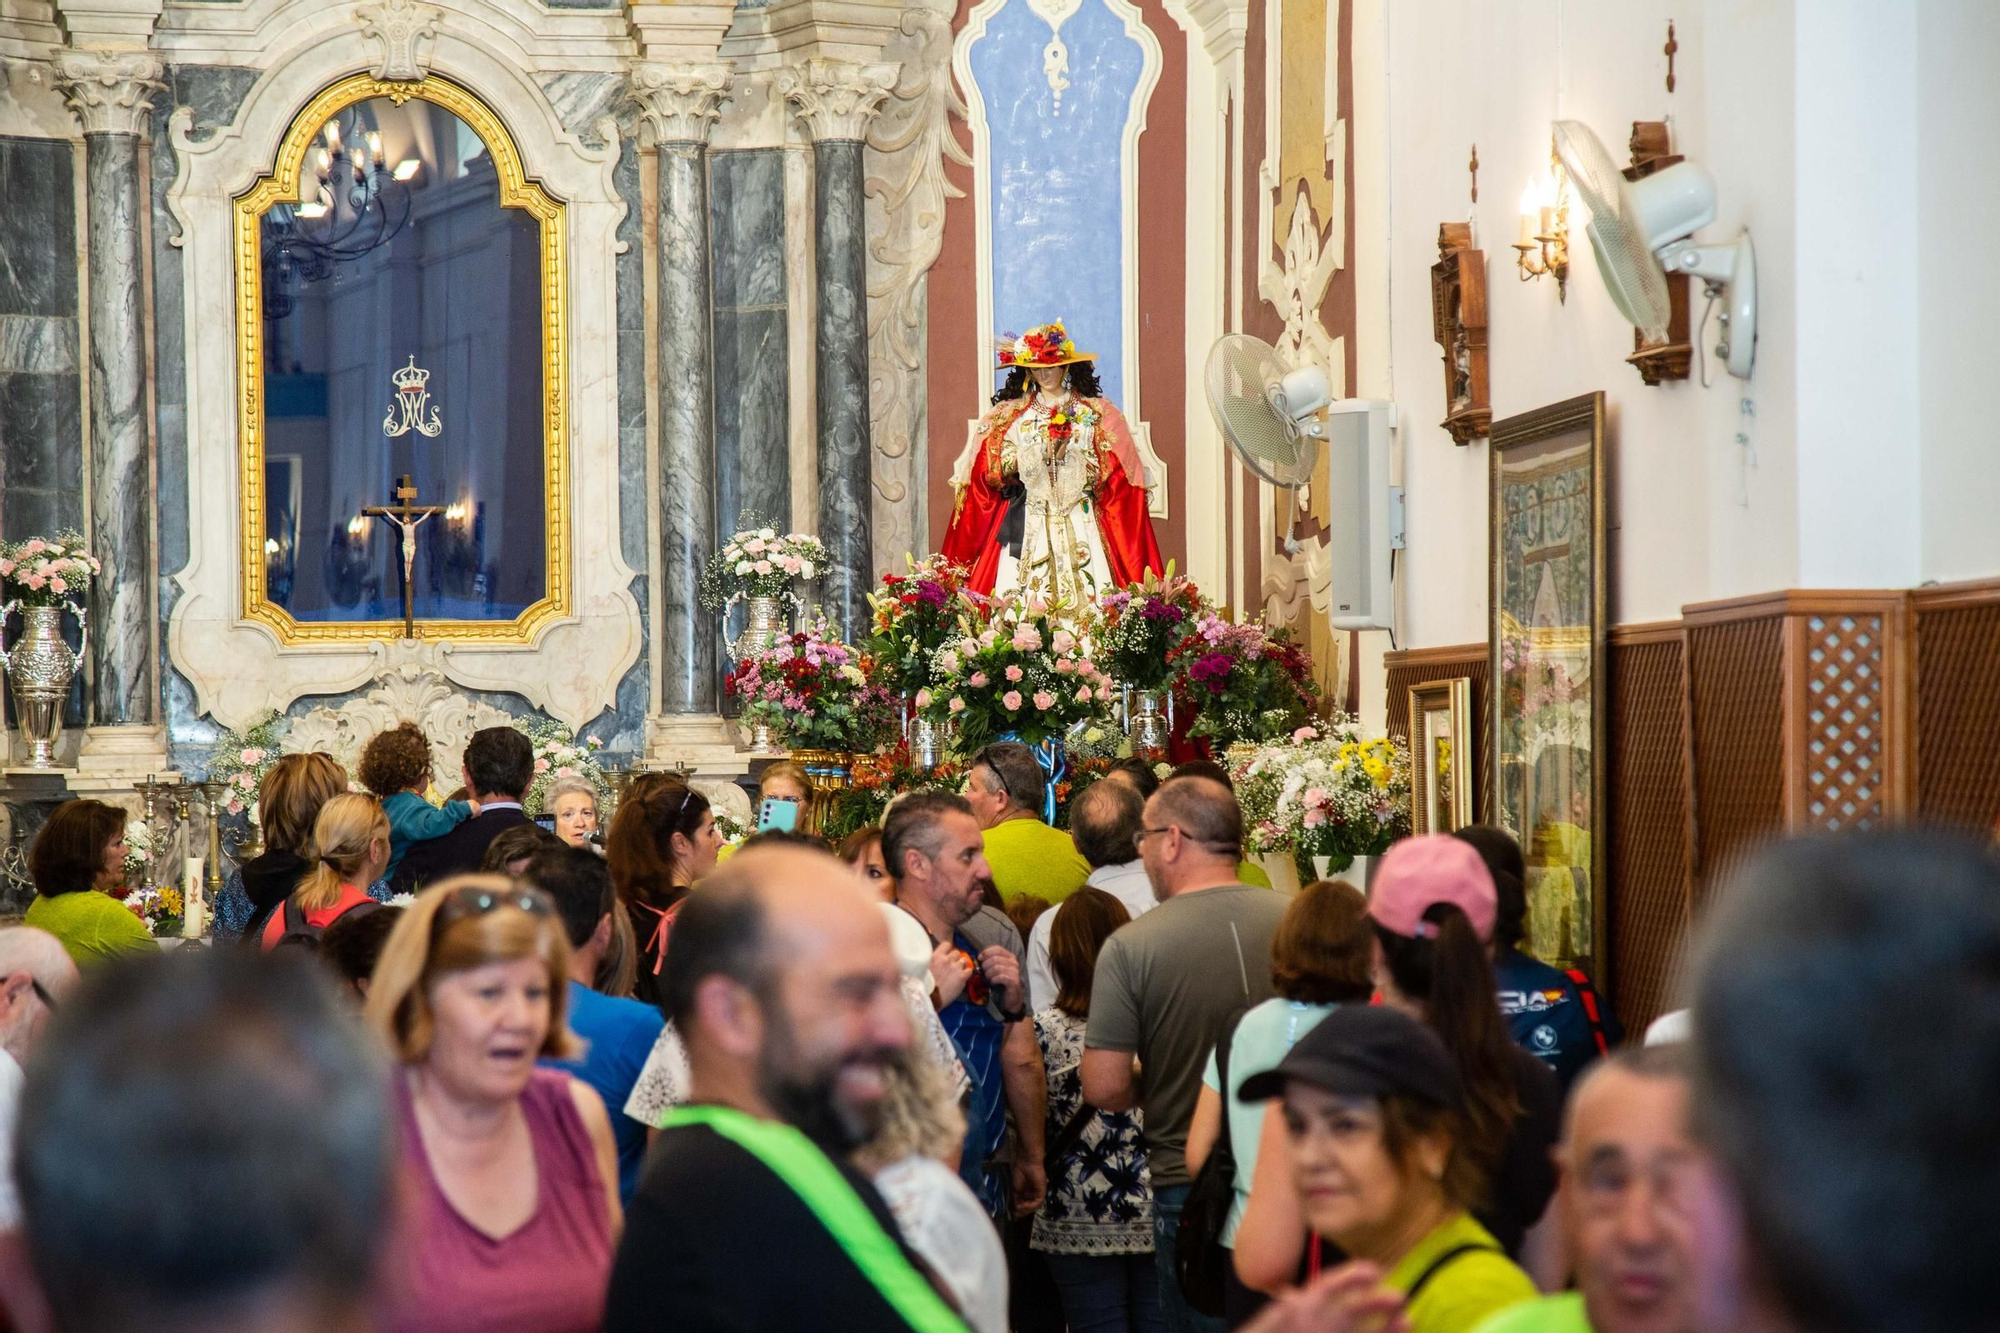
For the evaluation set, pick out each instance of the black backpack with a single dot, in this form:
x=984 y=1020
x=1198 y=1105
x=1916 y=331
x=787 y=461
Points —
x=1200 y=1259
x=300 y=933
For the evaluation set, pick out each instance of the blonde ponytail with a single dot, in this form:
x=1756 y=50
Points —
x=347 y=826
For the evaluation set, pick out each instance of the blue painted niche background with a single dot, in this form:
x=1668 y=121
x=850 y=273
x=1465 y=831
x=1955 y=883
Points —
x=1054 y=176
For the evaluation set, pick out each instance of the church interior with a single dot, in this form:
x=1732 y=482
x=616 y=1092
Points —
x=1585 y=396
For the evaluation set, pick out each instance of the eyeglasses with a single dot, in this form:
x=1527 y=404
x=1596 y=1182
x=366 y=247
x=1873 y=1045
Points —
x=42 y=994
x=1139 y=837
x=473 y=900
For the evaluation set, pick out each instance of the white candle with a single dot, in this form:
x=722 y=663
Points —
x=191 y=904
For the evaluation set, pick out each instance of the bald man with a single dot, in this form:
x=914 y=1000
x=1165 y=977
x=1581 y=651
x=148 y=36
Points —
x=1629 y=1172
x=35 y=972
x=789 y=1000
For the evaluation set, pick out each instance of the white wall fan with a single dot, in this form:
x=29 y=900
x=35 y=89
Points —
x=1642 y=230
x=1276 y=420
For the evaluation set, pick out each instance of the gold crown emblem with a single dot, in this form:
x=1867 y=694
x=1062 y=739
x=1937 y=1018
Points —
x=411 y=378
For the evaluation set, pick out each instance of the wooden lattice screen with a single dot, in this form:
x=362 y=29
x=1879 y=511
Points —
x=1957 y=651
x=1648 y=879
x=1843 y=763
x=1736 y=708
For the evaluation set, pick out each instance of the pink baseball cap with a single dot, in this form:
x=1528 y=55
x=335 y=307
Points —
x=1419 y=873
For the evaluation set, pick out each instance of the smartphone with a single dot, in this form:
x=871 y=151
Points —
x=778 y=813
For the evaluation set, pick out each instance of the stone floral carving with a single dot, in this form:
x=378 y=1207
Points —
x=399 y=25
x=109 y=90
x=906 y=188
x=408 y=692
x=680 y=101
x=836 y=98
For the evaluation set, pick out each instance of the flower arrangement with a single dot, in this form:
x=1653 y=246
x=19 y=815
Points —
x=1142 y=623
x=814 y=691
x=866 y=798
x=1026 y=671
x=1046 y=345
x=759 y=561
x=138 y=850
x=1334 y=792
x=160 y=910
x=1244 y=682
x=916 y=614
x=559 y=754
x=242 y=758
x=44 y=571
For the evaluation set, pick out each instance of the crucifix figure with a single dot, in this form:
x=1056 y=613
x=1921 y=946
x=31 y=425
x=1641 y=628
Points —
x=406 y=514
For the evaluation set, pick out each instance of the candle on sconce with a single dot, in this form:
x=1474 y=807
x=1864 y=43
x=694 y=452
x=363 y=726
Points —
x=1530 y=199
x=191 y=901
x=1548 y=224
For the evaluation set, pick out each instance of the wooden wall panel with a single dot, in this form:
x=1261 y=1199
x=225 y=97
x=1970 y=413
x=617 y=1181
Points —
x=1419 y=665
x=1648 y=866
x=1957 y=652
x=1736 y=704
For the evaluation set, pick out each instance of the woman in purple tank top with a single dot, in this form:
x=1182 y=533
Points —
x=512 y=1210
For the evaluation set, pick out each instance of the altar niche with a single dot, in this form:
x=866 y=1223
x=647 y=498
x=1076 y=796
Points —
x=400 y=311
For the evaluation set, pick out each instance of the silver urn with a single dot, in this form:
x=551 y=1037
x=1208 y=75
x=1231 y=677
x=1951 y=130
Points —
x=40 y=667
x=766 y=624
x=1149 y=720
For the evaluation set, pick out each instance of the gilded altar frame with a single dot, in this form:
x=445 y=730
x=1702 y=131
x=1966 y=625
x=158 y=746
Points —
x=516 y=191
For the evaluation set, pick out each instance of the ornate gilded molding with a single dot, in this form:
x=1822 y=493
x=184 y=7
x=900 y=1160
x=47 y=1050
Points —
x=837 y=98
x=516 y=191
x=680 y=101
x=109 y=90
x=399 y=26
x=907 y=188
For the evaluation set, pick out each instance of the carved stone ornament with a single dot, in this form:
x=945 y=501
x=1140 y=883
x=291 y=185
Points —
x=400 y=25
x=109 y=90
x=837 y=98
x=408 y=692
x=1458 y=321
x=680 y=101
x=1672 y=358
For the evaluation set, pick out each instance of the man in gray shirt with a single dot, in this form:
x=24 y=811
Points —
x=1166 y=984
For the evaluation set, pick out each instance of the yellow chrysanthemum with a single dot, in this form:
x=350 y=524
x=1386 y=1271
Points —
x=170 y=902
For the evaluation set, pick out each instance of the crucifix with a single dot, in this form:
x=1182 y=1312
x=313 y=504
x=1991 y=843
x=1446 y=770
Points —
x=406 y=514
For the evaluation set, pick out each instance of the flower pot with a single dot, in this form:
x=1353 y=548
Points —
x=766 y=624
x=1149 y=720
x=757 y=734
x=1355 y=872
x=40 y=667
x=1283 y=871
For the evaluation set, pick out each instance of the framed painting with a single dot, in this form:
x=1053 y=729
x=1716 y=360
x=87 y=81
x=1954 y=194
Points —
x=1548 y=747
x=1442 y=753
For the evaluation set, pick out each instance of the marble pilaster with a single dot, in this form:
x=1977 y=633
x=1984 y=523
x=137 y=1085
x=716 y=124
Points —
x=678 y=103
x=752 y=398
x=837 y=99
x=111 y=95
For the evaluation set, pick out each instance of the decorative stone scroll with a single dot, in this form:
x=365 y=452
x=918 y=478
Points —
x=399 y=26
x=408 y=692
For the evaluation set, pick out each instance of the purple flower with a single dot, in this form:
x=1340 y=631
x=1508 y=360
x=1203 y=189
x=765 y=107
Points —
x=932 y=592
x=1214 y=669
x=1155 y=609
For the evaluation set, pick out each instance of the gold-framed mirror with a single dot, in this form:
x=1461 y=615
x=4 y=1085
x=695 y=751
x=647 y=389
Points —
x=1442 y=747
x=398 y=257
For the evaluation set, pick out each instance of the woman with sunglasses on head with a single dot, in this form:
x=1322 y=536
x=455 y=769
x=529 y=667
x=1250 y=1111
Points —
x=514 y=1214
x=663 y=838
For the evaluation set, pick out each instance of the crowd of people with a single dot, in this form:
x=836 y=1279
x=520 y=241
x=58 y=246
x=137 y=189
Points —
x=970 y=1072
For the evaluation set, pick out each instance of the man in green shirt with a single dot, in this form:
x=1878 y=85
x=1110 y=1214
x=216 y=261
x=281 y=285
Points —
x=1627 y=1159
x=1006 y=789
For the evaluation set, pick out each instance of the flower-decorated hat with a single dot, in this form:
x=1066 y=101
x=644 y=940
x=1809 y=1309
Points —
x=1044 y=345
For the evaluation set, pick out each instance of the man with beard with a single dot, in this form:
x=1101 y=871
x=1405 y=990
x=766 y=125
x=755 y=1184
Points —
x=790 y=1003
x=932 y=844
x=1629 y=1167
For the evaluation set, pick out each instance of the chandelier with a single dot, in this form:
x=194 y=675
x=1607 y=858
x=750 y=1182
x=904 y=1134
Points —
x=352 y=201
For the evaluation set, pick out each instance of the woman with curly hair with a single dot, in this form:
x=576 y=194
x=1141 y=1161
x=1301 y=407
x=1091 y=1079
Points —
x=396 y=766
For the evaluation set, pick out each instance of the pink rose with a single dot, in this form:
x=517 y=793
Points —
x=541 y=765
x=1063 y=641
x=36 y=581
x=35 y=546
x=1027 y=639
x=1315 y=796
x=988 y=638
x=1315 y=818
x=978 y=681
x=58 y=585
x=755 y=546
x=923 y=698
x=1064 y=666
x=235 y=807
x=1083 y=695
x=566 y=771
x=762 y=566
x=1044 y=700
x=1014 y=673
x=6 y=566
x=1087 y=667
x=1305 y=734
x=252 y=756
x=1011 y=701
x=957 y=704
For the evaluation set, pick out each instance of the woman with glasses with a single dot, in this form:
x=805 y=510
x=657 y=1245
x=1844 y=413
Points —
x=515 y=1212
x=663 y=839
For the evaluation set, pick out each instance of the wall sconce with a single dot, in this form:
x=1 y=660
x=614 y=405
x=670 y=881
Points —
x=455 y=514
x=1544 y=241
x=356 y=526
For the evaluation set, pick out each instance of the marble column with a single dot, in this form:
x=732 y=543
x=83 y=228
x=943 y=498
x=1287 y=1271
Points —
x=837 y=99
x=680 y=103
x=110 y=92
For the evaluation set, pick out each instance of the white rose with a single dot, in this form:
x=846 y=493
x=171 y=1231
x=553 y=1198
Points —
x=767 y=533
x=805 y=569
x=743 y=566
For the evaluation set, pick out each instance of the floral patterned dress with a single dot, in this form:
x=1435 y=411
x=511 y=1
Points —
x=1100 y=1198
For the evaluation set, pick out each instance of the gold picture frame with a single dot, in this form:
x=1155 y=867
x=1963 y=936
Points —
x=1548 y=748
x=1443 y=750
x=516 y=191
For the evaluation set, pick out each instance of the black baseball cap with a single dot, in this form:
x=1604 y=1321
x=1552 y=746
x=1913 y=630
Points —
x=1364 y=1051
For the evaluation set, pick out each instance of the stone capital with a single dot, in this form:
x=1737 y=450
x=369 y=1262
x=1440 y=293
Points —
x=403 y=30
x=679 y=100
x=837 y=98
x=110 y=91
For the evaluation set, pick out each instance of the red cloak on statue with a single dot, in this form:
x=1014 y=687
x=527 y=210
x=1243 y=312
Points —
x=1119 y=504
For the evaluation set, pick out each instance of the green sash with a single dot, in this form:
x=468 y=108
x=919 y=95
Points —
x=794 y=1159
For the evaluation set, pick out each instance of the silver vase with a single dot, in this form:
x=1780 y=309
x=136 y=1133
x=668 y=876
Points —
x=1149 y=720
x=928 y=741
x=40 y=667
x=766 y=624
